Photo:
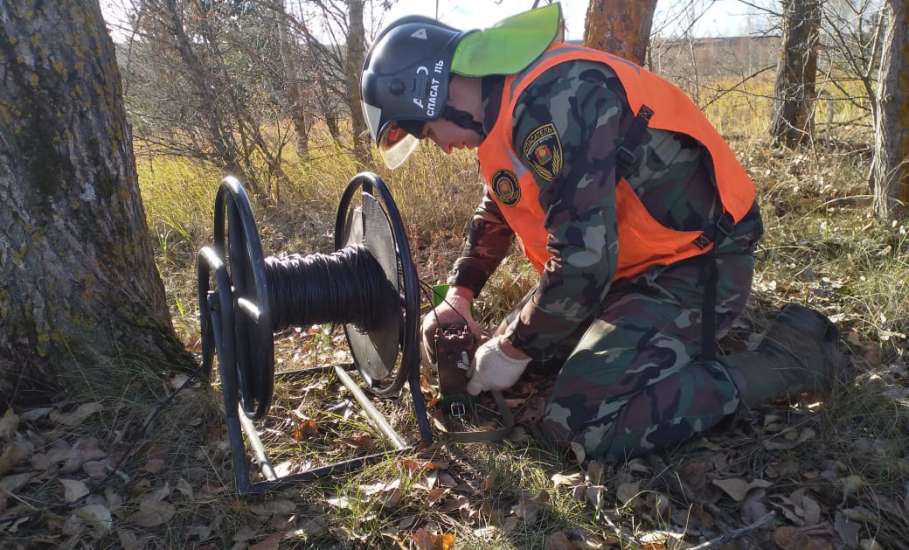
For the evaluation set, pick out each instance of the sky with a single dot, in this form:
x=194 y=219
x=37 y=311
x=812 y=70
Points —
x=713 y=17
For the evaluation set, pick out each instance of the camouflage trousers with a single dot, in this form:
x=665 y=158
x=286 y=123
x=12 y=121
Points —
x=631 y=381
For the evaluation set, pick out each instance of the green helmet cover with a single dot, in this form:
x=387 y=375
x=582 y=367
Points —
x=509 y=45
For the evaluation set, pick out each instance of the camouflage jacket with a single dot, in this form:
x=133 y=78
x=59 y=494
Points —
x=588 y=107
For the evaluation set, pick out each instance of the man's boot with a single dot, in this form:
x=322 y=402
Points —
x=797 y=354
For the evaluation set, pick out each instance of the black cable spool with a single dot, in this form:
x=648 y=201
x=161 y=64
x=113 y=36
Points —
x=369 y=285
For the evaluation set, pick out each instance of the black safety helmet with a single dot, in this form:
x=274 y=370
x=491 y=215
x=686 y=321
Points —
x=405 y=83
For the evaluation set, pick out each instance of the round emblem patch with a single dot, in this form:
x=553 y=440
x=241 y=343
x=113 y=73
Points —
x=505 y=185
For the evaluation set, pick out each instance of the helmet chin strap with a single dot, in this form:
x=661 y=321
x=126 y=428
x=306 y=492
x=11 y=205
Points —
x=463 y=119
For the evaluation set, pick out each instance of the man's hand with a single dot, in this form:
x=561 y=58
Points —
x=494 y=369
x=454 y=310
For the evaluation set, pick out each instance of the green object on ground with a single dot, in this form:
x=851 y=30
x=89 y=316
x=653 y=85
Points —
x=509 y=45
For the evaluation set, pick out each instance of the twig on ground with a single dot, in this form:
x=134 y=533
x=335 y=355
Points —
x=619 y=532
x=726 y=537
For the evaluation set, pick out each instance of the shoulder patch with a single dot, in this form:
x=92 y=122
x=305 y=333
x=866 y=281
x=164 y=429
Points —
x=543 y=151
x=505 y=186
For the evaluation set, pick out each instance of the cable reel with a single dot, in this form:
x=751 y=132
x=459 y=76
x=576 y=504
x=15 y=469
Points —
x=369 y=284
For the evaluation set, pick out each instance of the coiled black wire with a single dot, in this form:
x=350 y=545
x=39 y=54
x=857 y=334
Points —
x=346 y=286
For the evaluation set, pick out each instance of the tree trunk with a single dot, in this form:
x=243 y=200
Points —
x=292 y=61
x=356 y=43
x=890 y=166
x=80 y=296
x=793 y=112
x=621 y=27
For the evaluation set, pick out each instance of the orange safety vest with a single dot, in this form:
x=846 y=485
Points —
x=643 y=241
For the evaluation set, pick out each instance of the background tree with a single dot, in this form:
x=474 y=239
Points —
x=356 y=50
x=206 y=81
x=793 y=112
x=621 y=27
x=890 y=167
x=80 y=289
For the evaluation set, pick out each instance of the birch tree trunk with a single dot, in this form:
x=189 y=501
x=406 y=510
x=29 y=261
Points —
x=621 y=27
x=793 y=112
x=356 y=44
x=890 y=166
x=79 y=291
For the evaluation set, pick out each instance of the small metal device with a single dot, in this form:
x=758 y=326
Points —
x=454 y=349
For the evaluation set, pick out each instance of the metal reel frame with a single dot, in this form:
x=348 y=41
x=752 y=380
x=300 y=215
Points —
x=236 y=323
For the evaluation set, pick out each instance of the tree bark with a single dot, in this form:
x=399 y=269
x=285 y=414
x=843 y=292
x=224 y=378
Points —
x=890 y=166
x=80 y=296
x=793 y=113
x=292 y=61
x=356 y=44
x=621 y=27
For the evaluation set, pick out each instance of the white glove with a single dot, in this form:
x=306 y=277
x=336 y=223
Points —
x=493 y=369
x=454 y=310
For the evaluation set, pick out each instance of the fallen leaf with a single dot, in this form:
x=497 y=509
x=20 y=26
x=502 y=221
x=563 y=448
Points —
x=427 y=540
x=435 y=495
x=529 y=506
x=271 y=542
x=754 y=508
x=73 y=490
x=8 y=424
x=307 y=529
x=114 y=500
x=96 y=469
x=73 y=526
x=637 y=465
x=201 y=532
x=154 y=465
x=272 y=507
x=738 y=488
x=185 y=488
x=360 y=440
x=98 y=516
x=455 y=504
x=693 y=476
x=153 y=512
x=128 y=539
x=77 y=416
x=566 y=479
x=862 y=514
x=627 y=491
x=304 y=429
x=870 y=544
x=338 y=502
x=560 y=541
x=794 y=538
x=851 y=485
x=13 y=483
x=379 y=487
x=847 y=530
x=178 y=380
x=244 y=534
x=811 y=510
x=11 y=456
x=32 y=415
